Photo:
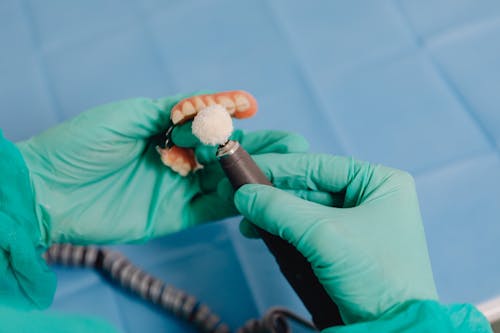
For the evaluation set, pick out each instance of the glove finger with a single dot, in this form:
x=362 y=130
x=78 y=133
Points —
x=269 y=209
x=225 y=191
x=138 y=118
x=183 y=136
x=322 y=198
x=254 y=142
x=210 y=207
x=323 y=173
x=262 y=142
x=206 y=154
x=210 y=177
x=258 y=142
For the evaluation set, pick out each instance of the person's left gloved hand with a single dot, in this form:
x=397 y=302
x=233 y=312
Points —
x=98 y=178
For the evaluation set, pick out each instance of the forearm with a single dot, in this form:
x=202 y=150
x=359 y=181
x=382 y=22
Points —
x=424 y=316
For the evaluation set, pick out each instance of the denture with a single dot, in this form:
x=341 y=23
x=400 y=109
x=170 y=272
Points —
x=238 y=103
x=180 y=160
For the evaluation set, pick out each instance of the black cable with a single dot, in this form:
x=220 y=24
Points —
x=276 y=320
x=118 y=269
x=241 y=169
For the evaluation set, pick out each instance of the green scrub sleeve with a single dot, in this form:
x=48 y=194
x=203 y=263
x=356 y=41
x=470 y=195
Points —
x=25 y=280
x=17 y=321
x=423 y=316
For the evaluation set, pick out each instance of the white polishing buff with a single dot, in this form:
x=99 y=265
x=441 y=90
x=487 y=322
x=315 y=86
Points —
x=213 y=125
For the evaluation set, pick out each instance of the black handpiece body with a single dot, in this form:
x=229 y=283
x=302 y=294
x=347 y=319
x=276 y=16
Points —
x=241 y=169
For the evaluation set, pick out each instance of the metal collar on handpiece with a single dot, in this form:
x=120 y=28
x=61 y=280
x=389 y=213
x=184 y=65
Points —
x=227 y=148
x=168 y=136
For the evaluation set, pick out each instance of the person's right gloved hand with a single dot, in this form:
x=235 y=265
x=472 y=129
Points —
x=369 y=252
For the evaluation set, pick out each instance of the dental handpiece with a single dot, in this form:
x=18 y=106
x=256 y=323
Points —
x=241 y=169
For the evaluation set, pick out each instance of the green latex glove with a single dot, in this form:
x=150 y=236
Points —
x=423 y=316
x=365 y=242
x=371 y=254
x=97 y=178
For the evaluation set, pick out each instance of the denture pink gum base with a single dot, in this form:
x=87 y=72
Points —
x=238 y=103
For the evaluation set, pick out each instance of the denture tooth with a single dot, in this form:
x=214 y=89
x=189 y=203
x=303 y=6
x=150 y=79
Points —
x=198 y=104
x=181 y=167
x=177 y=116
x=227 y=103
x=163 y=155
x=188 y=109
x=210 y=100
x=242 y=103
x=197 y=166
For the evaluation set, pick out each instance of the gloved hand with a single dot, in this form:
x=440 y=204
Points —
x=98 y=179
x=369 y=252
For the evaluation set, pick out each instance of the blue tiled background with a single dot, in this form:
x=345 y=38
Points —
x=413 y=84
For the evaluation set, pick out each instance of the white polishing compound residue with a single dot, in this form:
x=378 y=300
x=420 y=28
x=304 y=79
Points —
x=213 y=125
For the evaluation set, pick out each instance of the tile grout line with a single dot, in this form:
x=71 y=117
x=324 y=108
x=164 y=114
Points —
x=307 y=80
x=93 y=36
x=448 y=83
x=424 y=172
x=142 y=16
x=471 y=27
x=463 y=101
x=259 y=307
x=42 y=65
x=236 y=250
x=82 y=285
x=122 y=317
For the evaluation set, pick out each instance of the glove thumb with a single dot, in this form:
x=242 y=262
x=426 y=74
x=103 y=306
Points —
x=277 y=212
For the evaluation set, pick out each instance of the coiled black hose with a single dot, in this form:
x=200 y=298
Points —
x=118 y=269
